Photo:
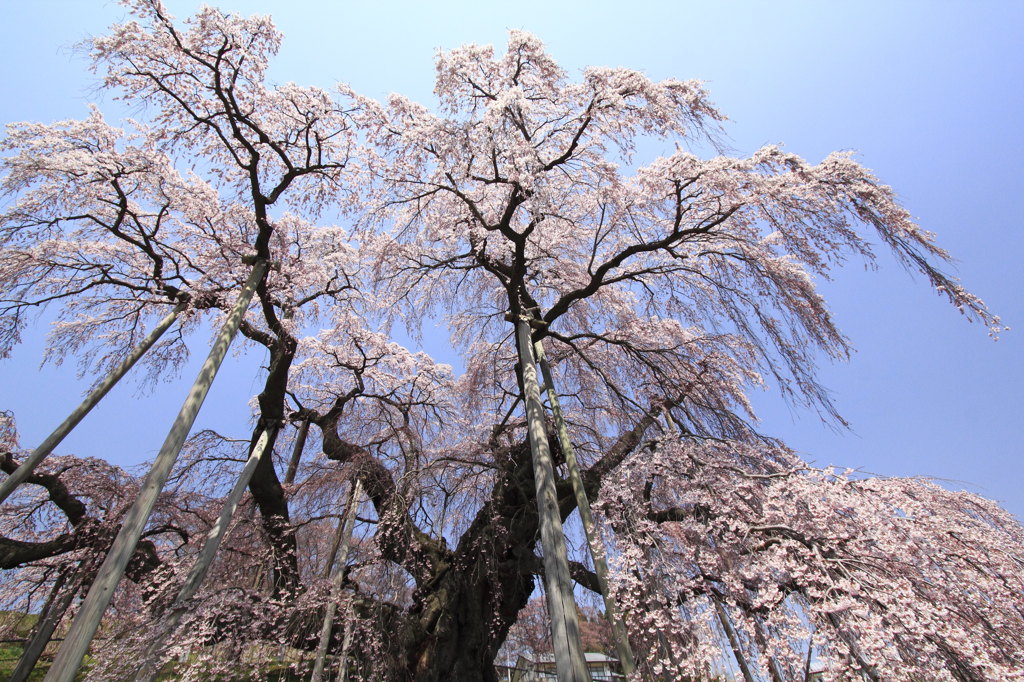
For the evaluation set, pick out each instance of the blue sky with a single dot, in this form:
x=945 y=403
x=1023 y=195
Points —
x=929 y=94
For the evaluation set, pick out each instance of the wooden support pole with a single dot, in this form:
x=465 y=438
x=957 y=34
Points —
x=597 y=550
x=300 y=443
x=807 y=662
x=734 y=640
x=762 y=640
x=866 y=669
x=338 y=575
x=60 y=599
x=339 y=537
x=91 y=400
x=72 y=651
x=151 y=659
x=723 y=614
x=570 y=664
x=346 y=642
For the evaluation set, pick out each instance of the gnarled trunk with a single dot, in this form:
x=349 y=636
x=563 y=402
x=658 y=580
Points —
x=464 y=615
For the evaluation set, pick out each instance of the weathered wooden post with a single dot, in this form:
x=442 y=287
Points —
x=91 y=400
x=570 y=663
x=60 y=599
x=300 y=443
x=72 y=651
x=337 y=562
x=597 y=550
x=762 y=640
x=346 y=642
x=734 y=640
x=151 y=659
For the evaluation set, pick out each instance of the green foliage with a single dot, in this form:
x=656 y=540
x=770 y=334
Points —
x=15 y=624
x=9 y=655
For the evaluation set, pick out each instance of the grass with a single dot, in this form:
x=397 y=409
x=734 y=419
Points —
x=18 y=626
x=9 y=655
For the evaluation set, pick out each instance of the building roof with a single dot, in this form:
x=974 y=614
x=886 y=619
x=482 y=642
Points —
x=590 y=657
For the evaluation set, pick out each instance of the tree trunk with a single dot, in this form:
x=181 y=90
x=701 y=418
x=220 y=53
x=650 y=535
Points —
x=461 y=619
x=265 y=486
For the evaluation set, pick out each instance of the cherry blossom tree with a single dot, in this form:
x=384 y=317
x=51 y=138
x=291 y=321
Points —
x=56 y=531
x=886 y=578
x=661 y=294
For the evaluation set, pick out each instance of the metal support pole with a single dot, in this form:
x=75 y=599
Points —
x=338 y=576
x=597 y=550
x=91 y=400
x=151 y=659
x=570 y=663
x=72 y=651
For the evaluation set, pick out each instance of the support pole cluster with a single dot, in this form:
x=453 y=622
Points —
x=570 y=662
x=72 y=651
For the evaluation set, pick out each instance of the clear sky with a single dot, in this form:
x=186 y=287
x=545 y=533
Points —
x=930 y=94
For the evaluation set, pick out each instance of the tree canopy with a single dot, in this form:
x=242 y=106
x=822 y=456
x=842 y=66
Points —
x=663 y=290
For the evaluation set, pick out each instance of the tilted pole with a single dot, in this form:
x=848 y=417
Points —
x=151 y=659
x=807 y=662
x=570 y=663
x=730 y=633
x=91 y=400
x=773 y=664
x=597 y=550
x=340 y=536
x=339 y=561
x=720 y=610
x=346 y=642
x=60 y=599
x=72 y=651
x=300 y=443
